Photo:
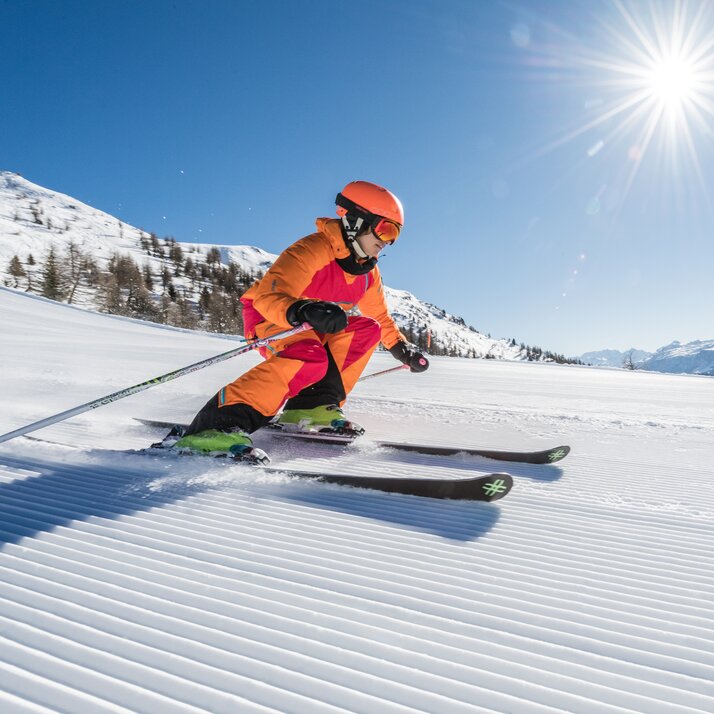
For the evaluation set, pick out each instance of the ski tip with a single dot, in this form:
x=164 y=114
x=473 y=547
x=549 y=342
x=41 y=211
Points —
x=557 y=454
x=495 y=486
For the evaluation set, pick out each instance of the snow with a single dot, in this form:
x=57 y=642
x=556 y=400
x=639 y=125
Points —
x=614 y=358
x=134 y=583
x=65 y=220
x=696 y=357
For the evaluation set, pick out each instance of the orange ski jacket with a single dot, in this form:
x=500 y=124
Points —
x=308 y=269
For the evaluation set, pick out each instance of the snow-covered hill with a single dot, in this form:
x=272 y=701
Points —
x=692 y=358
x=132 y=583
x=614 y=358
x=695 y=357
x=33 y=219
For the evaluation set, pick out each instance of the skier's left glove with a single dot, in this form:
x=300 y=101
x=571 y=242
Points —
x=410 y=355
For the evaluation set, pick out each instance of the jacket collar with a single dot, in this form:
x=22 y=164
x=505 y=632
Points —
x=330 y=227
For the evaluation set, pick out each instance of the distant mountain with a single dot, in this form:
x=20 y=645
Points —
x=692 y=358
x=614 y=358
x=55 y=245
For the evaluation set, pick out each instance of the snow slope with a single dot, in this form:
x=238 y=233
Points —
x=147 y=584
x=34 y=218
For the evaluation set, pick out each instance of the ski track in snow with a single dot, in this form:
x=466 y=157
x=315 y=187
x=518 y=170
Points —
x=142 y=583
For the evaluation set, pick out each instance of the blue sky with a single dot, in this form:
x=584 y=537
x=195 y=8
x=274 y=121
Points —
x=543 y=200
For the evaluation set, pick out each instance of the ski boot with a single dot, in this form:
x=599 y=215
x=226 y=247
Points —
x=236 y=445
x=323 y=421
x=170 y=439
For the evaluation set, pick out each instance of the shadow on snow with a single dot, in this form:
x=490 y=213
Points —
x=48 y=494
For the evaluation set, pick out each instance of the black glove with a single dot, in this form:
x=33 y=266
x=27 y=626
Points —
x=408 y=354
x=323 y=316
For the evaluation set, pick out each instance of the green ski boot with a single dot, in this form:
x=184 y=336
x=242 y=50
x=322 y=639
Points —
x=323 y=419
x=236 y=445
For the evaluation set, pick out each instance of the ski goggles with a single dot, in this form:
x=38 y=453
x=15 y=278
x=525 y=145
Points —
x=385 y=230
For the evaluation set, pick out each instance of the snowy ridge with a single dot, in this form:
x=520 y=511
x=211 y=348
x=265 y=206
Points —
x=33 y=219
x=450 y=330
x=134 y=583
x=695 y=357
x=64 y=220
x=614 y=358
x=692 y=358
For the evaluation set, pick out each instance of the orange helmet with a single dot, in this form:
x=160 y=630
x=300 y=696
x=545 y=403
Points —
x=372 y=199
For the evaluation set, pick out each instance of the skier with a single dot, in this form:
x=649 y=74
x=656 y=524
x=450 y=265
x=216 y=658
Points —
x=316 y=280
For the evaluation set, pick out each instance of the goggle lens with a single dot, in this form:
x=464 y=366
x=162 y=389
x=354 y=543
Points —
x=386 y=231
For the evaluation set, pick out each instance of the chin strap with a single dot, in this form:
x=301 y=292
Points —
x=350 y=230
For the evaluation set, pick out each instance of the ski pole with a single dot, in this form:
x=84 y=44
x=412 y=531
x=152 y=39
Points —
x=384 y=371
x=252 y=344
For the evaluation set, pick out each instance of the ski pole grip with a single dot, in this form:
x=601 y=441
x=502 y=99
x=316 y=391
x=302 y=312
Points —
x=264 y=341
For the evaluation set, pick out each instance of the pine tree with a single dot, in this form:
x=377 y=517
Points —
x=628 y=362
x=176 y=256
x=148 y=277
x=216 y=313
x=110 y=297
x=166 y=278
x=204 y=303
x=213 y=256
x=156 y=248
x=51 y=278
x=190 y=270
x=16 y=270
x=78 y=267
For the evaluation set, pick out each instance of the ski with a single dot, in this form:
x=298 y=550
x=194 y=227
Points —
x=488 y=487
x=485 y=487
x=546 y=456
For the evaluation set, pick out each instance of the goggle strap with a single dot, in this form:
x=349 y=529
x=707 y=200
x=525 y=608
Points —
x=350 y=206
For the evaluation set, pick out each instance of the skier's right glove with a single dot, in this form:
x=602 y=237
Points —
x=323 y=316
x=410 y=355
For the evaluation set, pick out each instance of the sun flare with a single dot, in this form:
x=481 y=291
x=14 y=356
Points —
x=672 y=81
x=649 y=69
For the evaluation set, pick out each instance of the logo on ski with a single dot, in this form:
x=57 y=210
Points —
x=493 y=488
x=557 y=455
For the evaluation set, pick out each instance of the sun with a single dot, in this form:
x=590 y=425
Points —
x=665 y=65
x=648 y=69
x=672 y=81
x=663 y=83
